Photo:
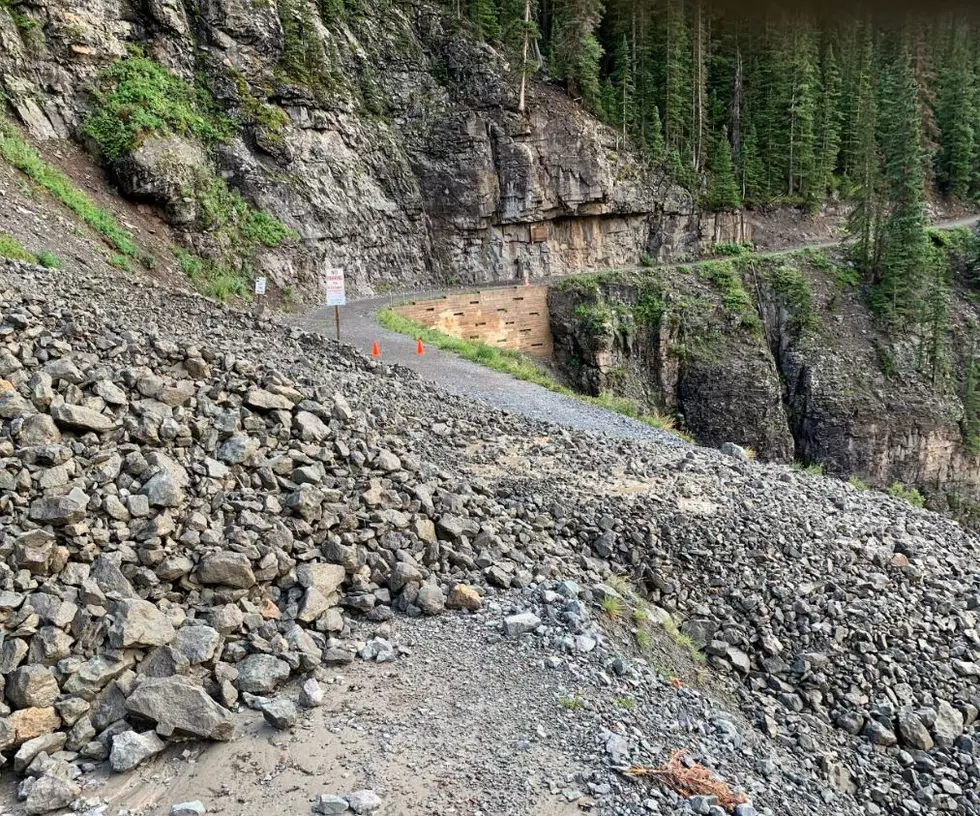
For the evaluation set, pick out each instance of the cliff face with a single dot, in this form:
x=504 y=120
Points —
x=401 y=156
x=782 y=357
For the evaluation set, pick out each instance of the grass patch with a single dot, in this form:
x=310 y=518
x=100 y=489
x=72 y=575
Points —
x=613 y=606
x=814 y=468
x=625 y=703
x=23 y=157
x=794 y=287
x=732 y=250
x=857 y=483
x=11 y=249
x=572 y=702
x=136 y=97
x=906 y=494
x=214 y=280
x=644 y=640
x=519 y=366
x=736 y=300
x=682 y=641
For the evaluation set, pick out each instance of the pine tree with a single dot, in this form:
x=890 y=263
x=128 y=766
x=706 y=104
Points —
x=577 y=51
x=864 y=222
x=722 y=191
x=751 y=171
x=678 y=77
x=484 y=16
x=622 y=113
x=957 y=113
x=903 y=238
x=829 y=128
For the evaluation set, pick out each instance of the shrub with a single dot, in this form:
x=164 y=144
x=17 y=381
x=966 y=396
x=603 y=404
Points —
x=907 y=494
x=49 y=260
x=137 y=97
x=11 y=249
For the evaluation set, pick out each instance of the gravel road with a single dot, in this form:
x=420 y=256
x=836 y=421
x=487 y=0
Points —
x=360 y=328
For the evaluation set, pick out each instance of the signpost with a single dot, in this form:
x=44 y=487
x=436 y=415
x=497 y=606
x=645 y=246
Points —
x=259 y=296
x=336 y=294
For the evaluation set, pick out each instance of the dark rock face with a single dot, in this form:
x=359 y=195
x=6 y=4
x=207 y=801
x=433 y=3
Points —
x=727 y=389
x=400 y=155
x=820 y=397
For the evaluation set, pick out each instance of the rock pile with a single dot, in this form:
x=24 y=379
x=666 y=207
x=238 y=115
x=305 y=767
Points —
x=182 y=527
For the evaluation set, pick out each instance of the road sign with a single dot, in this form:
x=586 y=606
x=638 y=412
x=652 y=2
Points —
x=336 y=294
x=260 y=286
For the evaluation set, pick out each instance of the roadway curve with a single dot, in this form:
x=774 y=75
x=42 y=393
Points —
x=360 y=328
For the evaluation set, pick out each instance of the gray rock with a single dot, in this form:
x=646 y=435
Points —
x=363 y=801
x=948 y=725
x=79 y=418
x=178 y=705
x=266 y=401
x=330 y=805
x=402 y=574
x=162 y=491
x=129 y=749
x=139 y=623
x=311 y=694
x=430 y=599
x=261 y=674
x=226 y=569
x=913 y=731
x=194 y=808
x=50 y=793
x=48 y=743
x=198 y=644
x=280 y=713
x=32 y=687
x=521 y=624
x=879 y=734
x=59 y=510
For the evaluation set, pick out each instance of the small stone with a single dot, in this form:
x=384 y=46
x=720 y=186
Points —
x=280 y=713
x=465 y=597
x=129 y=749
x=311 y=694
x=329 y=805
x=261 y=674
x=363 y=801
x=195 y=808
x=521 y=624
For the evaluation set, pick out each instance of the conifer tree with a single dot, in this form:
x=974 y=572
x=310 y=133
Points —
x=829 y=125
x=484 y=16
x=957 y=115
x=722 y=191
x=577 y=51
x=903 y=237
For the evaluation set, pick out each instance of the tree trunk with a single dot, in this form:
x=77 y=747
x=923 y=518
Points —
x=527 y=20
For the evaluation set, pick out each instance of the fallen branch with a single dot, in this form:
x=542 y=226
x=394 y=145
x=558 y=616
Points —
x=694 y=781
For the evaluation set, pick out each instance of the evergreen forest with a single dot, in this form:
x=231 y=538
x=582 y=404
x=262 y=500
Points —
x=780 y=108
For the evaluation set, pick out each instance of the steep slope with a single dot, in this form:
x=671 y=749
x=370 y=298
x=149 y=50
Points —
x=382 y=133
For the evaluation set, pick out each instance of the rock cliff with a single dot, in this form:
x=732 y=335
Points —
x=781 y=356
x=381 y=132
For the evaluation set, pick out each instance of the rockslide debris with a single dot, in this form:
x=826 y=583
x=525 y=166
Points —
x=192 y=504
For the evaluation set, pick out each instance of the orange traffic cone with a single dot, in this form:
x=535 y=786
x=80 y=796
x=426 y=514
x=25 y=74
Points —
x=419 y=348
x=375 y=351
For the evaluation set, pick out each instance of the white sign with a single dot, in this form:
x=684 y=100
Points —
x=260 y=286
x=336 y=294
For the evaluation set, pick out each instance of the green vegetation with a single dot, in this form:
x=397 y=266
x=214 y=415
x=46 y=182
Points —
x=136 y=97
x=625 y=703
x=519 y=366
x=572 y=702
x=907 y=494
x=857 y=483
x=644 y=640
x=613 y=606
x=22 y=156
x=794 y=287
x=11 y=249
x=683 y=641
x=732 y=250
x=736 y=300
